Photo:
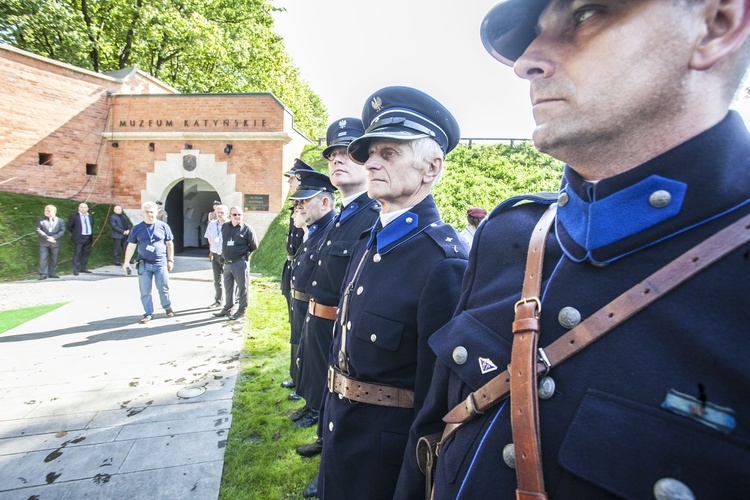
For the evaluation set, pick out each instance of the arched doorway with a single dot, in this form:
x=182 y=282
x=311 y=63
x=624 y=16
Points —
x=188 y=205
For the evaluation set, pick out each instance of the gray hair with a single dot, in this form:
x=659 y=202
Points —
x=149 y=205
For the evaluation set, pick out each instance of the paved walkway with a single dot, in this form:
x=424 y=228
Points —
x=95 y=405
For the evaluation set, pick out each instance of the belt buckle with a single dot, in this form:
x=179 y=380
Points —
x=331 y=378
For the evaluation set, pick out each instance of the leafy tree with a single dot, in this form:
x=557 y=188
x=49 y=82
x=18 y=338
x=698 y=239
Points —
x=196 y=46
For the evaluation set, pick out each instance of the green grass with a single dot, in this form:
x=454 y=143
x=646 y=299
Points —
x=11 y=319
x=260 y=461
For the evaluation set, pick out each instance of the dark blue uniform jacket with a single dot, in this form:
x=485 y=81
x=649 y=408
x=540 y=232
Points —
x=614 y=425
x=324 y=285
x=408 y=287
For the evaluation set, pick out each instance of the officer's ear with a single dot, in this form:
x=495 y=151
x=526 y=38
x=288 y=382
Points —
x=726 y=24
x=432 y=171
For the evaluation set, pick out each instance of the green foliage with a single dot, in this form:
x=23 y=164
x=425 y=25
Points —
x=483 y=176
x=196 y=46
x=11 y=319
x=260 y=461
x=19 y=252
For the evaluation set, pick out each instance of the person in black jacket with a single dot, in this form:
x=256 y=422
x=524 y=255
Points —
x=120 y=231
x=633 y=96
x=81 y=227
x=238 y=242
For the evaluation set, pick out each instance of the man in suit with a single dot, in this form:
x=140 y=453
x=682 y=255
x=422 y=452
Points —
x=81 y=227
x=49 y=229
x=120 y=231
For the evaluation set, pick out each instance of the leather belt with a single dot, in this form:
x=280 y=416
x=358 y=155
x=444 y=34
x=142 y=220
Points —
x=374 y=394
x=320 y=311
x=235 y=260
x=297 y=295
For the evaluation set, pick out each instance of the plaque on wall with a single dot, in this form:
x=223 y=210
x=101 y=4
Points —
x=189 y=162
x=256 y=202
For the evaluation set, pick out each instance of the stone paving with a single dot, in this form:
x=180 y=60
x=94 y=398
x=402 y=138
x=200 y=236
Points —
x=95 y=405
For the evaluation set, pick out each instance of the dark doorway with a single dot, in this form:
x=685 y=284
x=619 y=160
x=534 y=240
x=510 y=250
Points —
x=174 y=207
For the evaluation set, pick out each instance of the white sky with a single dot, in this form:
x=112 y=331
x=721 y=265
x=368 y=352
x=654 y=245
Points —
x=348 y=49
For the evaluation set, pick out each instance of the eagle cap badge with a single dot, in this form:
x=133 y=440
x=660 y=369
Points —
x=377 y=103
x=342 y=123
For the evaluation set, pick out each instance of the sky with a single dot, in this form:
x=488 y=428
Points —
x=348 y=49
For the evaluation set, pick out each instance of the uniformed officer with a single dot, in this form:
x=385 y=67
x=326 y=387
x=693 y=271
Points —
x=316 y=201
x=358 y=214
x=633 y=96
x=294 y=238
x=402 y=284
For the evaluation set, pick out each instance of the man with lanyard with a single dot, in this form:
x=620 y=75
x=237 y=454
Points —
x=153 y=239
x=639 y=386
x=238 y=242
x=213 y=236
x=294 y=239
x=402 y=284
x=316 y=199
x=358 y=214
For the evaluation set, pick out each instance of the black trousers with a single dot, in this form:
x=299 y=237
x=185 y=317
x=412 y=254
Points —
x=81 y=253
x=118 y=245
x=48 y=258
x=237 y=273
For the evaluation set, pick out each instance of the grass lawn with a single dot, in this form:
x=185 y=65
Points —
x=260 y=460
x=11 y=319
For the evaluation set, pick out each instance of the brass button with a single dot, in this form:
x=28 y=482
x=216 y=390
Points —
x=563 y=199
x=569 y=317
x=546 y=388
x=460 y=355
x=509 y=455
x=660 y=199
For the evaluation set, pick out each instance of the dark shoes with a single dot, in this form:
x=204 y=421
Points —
x=75 y=273
x=169 y=312
x=146 y=319
x=236 y=316
x=308 y=420
x=42 y=276
x=312 y=449
x=53 y=276
x=116 y=264
x=311 y=490
x=294 y=397
x=299 y=413
x=222 y=313
x=215 y=304
x=288 y=384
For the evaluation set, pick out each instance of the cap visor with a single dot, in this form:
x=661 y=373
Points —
x=305 y=194
x=359 y=147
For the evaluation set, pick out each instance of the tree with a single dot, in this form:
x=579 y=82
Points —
x=196 y=46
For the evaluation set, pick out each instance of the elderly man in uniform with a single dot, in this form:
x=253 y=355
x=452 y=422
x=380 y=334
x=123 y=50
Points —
x=294 y=238
x=358 y=214
x=402 y=284
x=238 y=241
x=316 y=200
x=645 y=396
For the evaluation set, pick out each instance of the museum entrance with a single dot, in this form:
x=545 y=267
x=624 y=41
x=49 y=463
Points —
x=188 y=206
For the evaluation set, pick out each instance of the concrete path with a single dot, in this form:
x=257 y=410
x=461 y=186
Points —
x=95 y=405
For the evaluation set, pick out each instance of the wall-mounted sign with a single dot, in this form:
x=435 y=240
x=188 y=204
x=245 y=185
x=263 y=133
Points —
x=256 y=202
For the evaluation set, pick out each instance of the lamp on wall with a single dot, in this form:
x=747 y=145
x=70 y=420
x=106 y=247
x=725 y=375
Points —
x=150 y=146
x=188 y=146
x=115 y=145
x=228 y=149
